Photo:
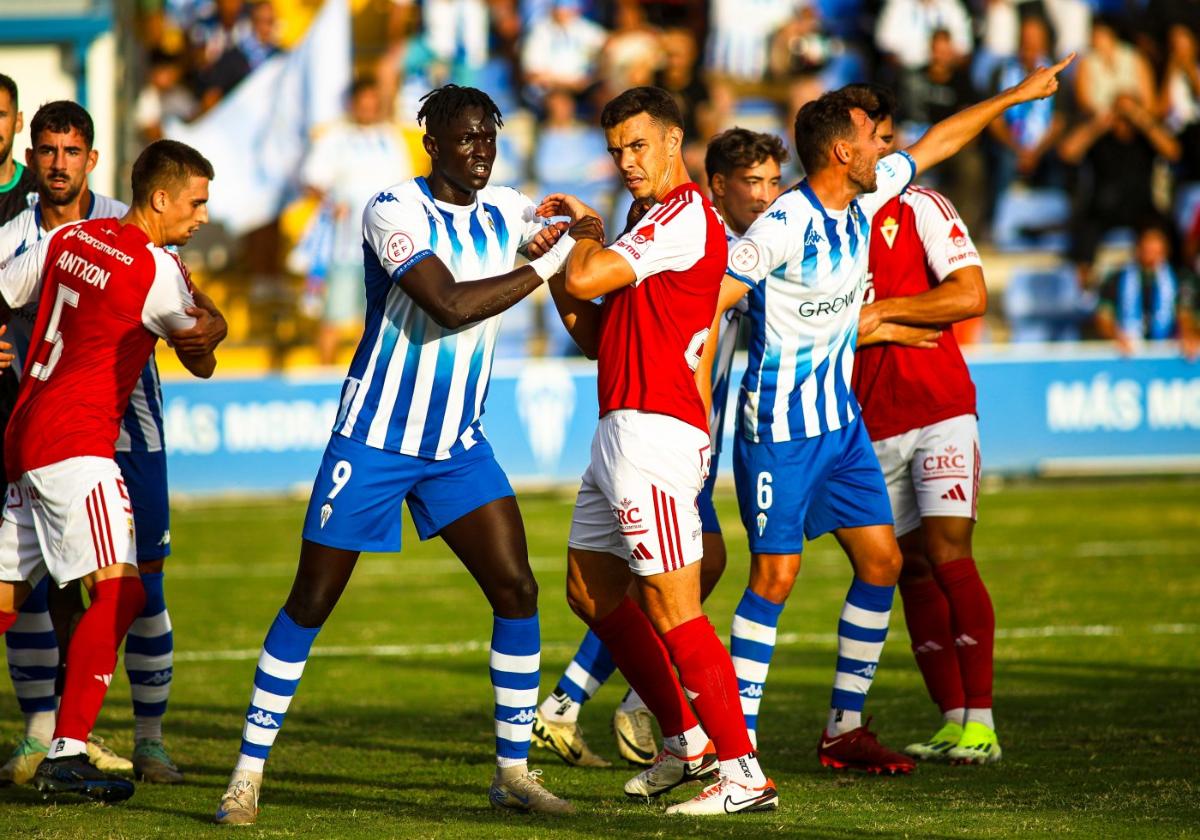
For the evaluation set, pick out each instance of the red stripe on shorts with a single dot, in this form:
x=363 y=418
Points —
x=112 y=551
x=662 y=546
x=91 y=512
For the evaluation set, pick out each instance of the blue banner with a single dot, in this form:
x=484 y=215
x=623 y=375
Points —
x=1068 y=408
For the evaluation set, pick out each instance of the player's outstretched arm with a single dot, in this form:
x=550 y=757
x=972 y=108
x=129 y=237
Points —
x=944 y=139
x=580 y=317
x=592 y=270
x=962 y=295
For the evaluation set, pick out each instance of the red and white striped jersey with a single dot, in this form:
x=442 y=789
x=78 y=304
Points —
x=917 y=241
x=106 y=295
x=652 y=332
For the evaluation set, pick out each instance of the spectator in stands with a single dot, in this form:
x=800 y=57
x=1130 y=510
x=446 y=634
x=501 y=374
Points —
x=632 y=52
x=218 y=32
x=1179 y=97
x=1026 y=135
x=904 y=29
x=263 y=41
x=164 y=97
x=1148 y=298
x=1191 y=244
x=800 y=51
x=1110 y=69
x=1115 y=151
x=562 y=51
x=930 y=95
x=569 y=156
x=349 y=163
x=249 y=42
x=740 y=36
x=702 y=114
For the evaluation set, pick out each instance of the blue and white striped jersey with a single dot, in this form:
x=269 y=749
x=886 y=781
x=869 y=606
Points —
x=413 y=386
x=806 y=267
x=142 y=425
x=722 y=370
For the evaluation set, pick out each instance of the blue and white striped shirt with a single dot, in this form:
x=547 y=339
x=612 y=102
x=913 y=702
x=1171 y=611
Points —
x=806 y=267
x=142 y=425
x=722 y=371
x=415 y=387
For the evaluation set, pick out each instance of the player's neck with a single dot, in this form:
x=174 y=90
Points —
x=676 y=177
x=146 y=224
x=719 y=206
x=832 y=188
x=54 y=215
x=8 y=170
x=443 y=189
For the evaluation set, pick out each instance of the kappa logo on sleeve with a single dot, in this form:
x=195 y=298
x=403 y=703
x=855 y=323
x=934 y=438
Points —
x=744 y=257
x=400 y=247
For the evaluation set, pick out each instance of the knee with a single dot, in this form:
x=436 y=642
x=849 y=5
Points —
x=513 y=595
x=915 y=568
x=579 y=602
x=150 y=567
x=310 y=606
x=772 y=579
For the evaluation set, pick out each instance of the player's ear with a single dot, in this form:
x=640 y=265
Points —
x=93 y=156
x=20 y=123
x=842 y=151
x=717 y=185
x=675 y=138
x=431 y=146
x=158 y=200
x=28 y=156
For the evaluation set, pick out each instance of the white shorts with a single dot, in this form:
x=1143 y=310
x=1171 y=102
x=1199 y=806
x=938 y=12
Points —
x=638 y=497
x=932 y=471
x=70 y=519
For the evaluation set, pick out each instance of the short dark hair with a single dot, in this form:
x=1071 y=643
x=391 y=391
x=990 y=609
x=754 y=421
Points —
x=60 y=117
x=166 y=165
x=363 y=81
x=441 y=105
x=878 y=101
x=658 y=103
x=821 y=123
x=740 y=148
x=6 y=83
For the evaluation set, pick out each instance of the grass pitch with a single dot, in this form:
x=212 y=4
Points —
x=1097 y=594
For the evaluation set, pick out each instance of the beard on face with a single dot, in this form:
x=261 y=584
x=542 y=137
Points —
x=862 y=175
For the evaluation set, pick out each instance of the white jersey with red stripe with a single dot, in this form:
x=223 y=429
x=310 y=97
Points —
x=106 y=295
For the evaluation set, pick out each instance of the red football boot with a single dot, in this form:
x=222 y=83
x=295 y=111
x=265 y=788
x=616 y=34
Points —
x=859 y=749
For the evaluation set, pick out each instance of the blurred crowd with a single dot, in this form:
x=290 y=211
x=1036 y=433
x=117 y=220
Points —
x=1113 y=158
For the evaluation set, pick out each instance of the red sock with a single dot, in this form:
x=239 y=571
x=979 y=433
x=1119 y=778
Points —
x=7 y=619
x=706 y=672
x=638 y=651
x=974 y=625
x=92 y=654
x=927 y=614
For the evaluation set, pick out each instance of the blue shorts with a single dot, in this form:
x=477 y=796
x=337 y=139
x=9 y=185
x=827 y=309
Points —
x=145 y=475
x=804 y=488
x=355 y=503
x=709 y=524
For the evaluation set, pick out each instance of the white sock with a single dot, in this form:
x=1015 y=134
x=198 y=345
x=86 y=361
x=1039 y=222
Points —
x=744 y=770
x=559 y=708
x=631 y=702
x=983 y=716
x=250 y=764
x=687 y=744
x=506 y=763
x=40 y=726
x=842 y=721
x=66 y=748
x=958 y=715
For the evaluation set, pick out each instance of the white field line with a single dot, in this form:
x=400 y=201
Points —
x=478 y=646
x=400 y=566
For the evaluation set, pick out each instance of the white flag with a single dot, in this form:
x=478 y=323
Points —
x=257 y=137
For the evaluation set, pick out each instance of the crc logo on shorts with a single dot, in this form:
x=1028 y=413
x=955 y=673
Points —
x=744 y=257
x=947 y=463
x=629 y=517
x=400 y=247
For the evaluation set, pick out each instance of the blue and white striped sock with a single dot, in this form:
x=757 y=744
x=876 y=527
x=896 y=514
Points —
x=280 y=665
x=515 y=669
x=149 y=659
x=33 y=663
x=751 y=644
x=861 y=633
x=590 y=669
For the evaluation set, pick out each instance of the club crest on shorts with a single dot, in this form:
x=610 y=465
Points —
x=762 y=523
x=326 y=512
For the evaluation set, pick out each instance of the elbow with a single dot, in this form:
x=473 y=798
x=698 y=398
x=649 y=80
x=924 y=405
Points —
x=449 y=317
x=580 y=285
x=978 y=305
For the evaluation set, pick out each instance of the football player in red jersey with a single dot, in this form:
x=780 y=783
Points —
x=635 y=519
x=918 y=403
x=107 y=291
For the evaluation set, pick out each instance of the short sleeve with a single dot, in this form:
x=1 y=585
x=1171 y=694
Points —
x=523 y=209
x=766 y=245
x=892 y=174
x=670 y=237
x=396 y=229
x=948 y=245
x=170 y=295
x=20 y=278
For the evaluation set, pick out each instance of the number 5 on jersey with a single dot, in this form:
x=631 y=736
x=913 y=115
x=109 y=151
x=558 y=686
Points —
x=66 y=296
